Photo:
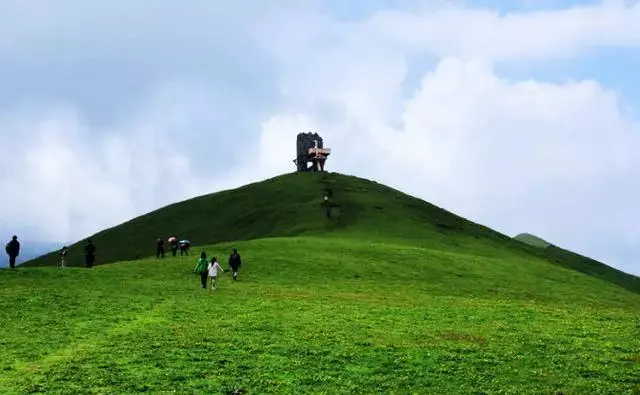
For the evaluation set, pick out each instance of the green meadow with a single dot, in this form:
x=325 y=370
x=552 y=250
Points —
x=389 y=295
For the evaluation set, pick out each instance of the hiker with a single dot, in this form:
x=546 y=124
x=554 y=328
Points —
x=235 y=262
x=89 y=254
x=174 y=245
x=13 y=250
x=159 y=248
x=201 y=268
x=213 y=269
x=63 y=256
x=184 y=247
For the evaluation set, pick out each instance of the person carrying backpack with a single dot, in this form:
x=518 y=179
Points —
x=13 y=250
x=201 y=269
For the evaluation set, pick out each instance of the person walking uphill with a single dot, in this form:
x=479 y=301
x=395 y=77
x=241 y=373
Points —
x=213 y=269
x=13 y=250
x=89 y=254
x=201 y=269
x=235 y=262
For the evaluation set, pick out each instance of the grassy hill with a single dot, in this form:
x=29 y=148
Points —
x=532 y=240
x=390 y=295
x=293 y=205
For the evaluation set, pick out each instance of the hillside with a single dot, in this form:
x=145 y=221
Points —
x=293 y=205
x=532 y=240
x=317 y=314
x=390 y=295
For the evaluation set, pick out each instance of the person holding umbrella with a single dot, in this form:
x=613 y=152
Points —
x=184 y=247
x=174 y=245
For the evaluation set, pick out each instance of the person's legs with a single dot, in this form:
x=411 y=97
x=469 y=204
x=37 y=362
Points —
x=213 y=282
x=162 y=251
x=235 y=272
x=62 y=262
x=12 y=261
x=203 y=279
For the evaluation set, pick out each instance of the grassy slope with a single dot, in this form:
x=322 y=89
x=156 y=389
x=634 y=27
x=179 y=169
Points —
x=314 y=314
x=291 y=205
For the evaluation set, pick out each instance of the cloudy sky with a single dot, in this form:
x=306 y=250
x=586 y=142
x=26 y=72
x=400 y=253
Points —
x=523 y=118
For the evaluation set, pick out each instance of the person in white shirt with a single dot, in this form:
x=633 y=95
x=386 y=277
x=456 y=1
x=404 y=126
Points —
x=213 y=269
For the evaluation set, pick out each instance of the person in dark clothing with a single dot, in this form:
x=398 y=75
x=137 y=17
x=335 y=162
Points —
x=235 y=262
x=174 y=246
x=184 y=247
x=13 y=250
x=160 y=248
x=89 y=254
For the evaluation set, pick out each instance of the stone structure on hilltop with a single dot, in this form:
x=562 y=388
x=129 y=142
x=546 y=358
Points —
x=310 y=149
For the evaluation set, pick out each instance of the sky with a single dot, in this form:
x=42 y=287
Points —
x=520 y=115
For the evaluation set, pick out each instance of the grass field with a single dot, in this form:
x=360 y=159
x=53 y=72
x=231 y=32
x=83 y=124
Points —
x=319 y=315
x=390 y=295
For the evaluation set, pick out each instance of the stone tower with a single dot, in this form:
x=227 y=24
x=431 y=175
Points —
x=310 y=148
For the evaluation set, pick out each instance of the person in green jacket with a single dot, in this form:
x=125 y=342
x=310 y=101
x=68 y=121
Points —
x=201 y=268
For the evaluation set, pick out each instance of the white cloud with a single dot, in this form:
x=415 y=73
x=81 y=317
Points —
x=552 y=159
x=475 y=33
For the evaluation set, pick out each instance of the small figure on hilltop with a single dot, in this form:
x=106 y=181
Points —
x=89 y=254
x=159 y=248
x=201 y=269
x=213 y=269
x=13 y=250
x=174 y=245
x=63 y=256
x=235 y=262
x=184 y=247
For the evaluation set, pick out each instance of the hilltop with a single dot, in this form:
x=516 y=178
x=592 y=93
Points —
x=532 y=240
x=293 y=205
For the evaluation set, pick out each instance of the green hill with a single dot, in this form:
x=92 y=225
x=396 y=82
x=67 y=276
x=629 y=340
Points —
x=293 y=205
x=390 y=295
x=532 y=240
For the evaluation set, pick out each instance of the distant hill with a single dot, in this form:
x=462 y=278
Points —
x=293 y=205
x=532 y=240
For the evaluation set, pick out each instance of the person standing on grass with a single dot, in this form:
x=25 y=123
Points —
x=174 y=245
x=184 y=247
x=63 y=256
x=159 y=248
x=13 y=250
x=235 y=262
x=213 y=269
x=89 y=254
x=201 y=268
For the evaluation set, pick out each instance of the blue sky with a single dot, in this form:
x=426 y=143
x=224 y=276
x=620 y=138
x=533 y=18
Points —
x=523 y=118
